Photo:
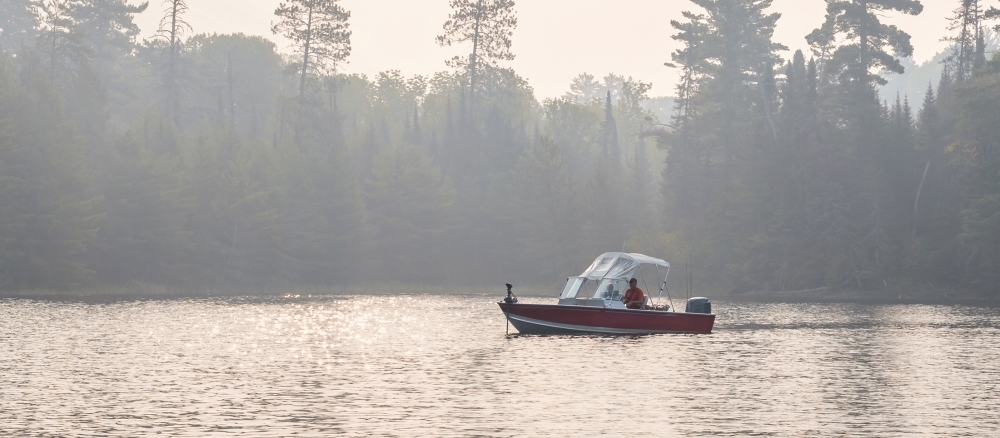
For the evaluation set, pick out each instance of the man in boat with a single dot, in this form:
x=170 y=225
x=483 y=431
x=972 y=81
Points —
x=634 y=297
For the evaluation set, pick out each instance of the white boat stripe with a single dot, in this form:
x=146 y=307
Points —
x=586 y=328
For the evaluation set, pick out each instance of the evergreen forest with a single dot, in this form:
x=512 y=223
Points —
x=194 y=160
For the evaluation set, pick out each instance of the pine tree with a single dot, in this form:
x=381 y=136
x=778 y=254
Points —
x=981 y=238
x=236 y=220
x=900 y=173
x=416 y=137
x=933 y=253
x=992 y=14
x=488 y=25
x=875 y=165
x=325 y=216
x=968 y=43
x=739 y=46
x=634 y=117
x=172 y=27
x=12 y=180
x=320 y=31
x=108 y=29
x=867 y=39
x=610 y=152
x=724 y=124
x=497 y=150
x=681 y=175
x=342 y=236
x=577 y=129
x=584 y=89
x=18 y=23
x=60 y=41
x=239 y=69
x=974 y=152
x=413 y=212
x=449 y=143
x=49 y=218
x=142 y=236
x=547 y=211
x=604 y=221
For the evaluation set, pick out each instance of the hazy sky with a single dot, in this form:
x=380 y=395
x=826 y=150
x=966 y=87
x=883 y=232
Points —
x=555 y=39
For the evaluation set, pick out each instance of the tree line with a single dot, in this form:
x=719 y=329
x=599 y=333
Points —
x=197 y=160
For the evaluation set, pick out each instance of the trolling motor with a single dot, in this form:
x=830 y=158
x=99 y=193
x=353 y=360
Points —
x=510 y=299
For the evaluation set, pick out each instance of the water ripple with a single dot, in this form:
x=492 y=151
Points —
x=435 y=365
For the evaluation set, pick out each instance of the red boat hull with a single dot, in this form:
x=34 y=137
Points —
x=551 y=318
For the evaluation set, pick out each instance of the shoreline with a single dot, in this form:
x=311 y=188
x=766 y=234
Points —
x=152 y=292
x=876 y=296
x=876 y=300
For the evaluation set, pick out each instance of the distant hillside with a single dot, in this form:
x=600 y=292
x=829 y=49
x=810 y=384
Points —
x=912 y=84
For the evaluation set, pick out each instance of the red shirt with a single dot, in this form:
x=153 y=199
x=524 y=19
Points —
x=635 y=294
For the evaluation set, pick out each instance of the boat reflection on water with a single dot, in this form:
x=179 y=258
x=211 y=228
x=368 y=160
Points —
x=592 y=303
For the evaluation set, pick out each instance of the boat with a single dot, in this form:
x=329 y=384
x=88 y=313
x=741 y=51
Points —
x=592 y=303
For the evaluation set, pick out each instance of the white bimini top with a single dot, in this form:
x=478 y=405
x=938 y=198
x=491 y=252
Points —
x=618 y=265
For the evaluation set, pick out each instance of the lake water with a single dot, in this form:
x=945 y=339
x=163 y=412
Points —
x=441 y=365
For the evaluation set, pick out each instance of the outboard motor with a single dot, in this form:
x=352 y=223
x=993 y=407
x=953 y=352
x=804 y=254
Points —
x=698 y=305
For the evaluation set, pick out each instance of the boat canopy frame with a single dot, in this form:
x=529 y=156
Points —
x=615 y=267
x=618 y=265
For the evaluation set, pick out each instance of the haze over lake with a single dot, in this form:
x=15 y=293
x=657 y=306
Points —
x=296 y=217
x=556 y=39
x=188 y=145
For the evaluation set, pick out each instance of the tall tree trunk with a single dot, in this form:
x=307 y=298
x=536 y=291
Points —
x=979 y=58
x=231 y=80
x=172 y=65
x=52 y=56
x=863 y=36
x=963 y=40
x=472 y=60
x=305 y=56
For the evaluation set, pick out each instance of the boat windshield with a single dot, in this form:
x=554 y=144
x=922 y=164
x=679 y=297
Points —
x=581 y=287
x=573 y=286
x=618 y=286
